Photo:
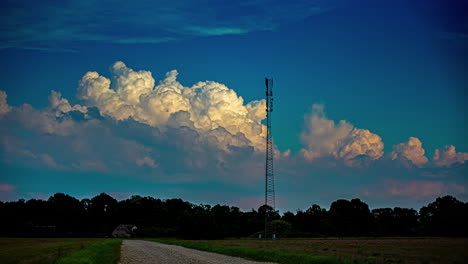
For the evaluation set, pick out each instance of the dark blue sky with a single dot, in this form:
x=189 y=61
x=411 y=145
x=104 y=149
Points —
x=393 y=68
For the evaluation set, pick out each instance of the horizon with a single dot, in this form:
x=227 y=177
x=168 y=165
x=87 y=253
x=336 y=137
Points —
x=242 y=209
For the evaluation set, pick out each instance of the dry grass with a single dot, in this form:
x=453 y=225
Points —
x=380 y=250
x=39 y=250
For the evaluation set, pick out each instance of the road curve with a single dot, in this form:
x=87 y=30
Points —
x=146 y=252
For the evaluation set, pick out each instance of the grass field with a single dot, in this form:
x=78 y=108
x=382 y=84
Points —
x=105 y=252
x=287 y=251
x=382 y=250
x=54 y=250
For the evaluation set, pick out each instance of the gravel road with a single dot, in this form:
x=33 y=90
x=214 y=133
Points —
x=146 y=252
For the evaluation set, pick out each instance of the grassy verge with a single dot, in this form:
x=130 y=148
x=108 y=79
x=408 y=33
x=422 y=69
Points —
x=105 y=252
x=40 y=250
x=266 y=255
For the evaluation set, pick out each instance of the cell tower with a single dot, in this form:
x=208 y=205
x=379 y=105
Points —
x=269 y=175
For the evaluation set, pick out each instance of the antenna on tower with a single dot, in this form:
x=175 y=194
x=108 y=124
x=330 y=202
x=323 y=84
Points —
x=269 y=175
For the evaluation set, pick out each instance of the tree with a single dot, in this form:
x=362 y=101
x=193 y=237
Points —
x=350 y=218
x=383 y=221
x=446 y=216
x=102 y=214
x=66 y=214
x=281 y=227
x=405 y=221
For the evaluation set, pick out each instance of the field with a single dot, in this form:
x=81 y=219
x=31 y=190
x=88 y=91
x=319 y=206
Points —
x=57 y=250
x=294 y=251
x=386 y=250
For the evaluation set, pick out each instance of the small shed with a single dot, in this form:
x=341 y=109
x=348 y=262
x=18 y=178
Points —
x=124 y=230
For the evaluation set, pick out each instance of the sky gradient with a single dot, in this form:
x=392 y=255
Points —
x=165 y=99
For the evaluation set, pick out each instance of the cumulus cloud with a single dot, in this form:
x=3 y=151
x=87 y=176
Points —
x=126 y=126
x=323 y=138
x=410 y=151
x=448 y=156
x=77 y=138
x=65 y=137
x=4 y=107
x=210 y=108
x=61 y=105
x=132 y=124
x=45 y=122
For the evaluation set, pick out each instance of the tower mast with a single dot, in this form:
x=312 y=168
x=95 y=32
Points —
x=269 y=175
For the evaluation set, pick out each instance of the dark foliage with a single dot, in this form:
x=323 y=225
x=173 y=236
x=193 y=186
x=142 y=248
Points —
x=445 y=216
x=65 y=216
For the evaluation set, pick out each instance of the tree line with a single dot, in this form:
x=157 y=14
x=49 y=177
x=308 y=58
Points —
x=65 y=216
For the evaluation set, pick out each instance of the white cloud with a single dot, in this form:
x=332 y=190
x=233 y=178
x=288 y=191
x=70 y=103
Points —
x=62 y=137
x=57 y=139
x=61 y=105
x=42 y=121
x=205 y=106
x=322 y=138
x=410 y=151
x=4 y=107
x=448 y=156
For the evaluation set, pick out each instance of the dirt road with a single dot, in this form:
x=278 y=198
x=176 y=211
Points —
x=146 y=252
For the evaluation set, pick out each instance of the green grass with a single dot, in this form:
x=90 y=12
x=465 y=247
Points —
x=266 y=255
x=39 y=250
x=106 y=252
x=51 y=250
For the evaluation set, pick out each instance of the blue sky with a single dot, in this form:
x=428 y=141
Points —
x=394 y=69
